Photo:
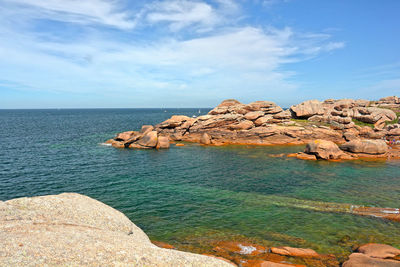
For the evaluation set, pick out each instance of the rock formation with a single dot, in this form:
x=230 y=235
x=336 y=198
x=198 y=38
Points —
x=265 y=123
x=374 y=255
x=145 y=138
x=354 y=149
x=75 y=230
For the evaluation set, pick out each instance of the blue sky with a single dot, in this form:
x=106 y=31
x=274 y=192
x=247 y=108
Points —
x=181 y=53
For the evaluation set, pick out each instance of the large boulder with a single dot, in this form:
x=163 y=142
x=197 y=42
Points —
x=379 y=250
x=362 y=260
x=324 y=149
x=74 y=230
x=162 y=142
x=365 y=146
x=149 y=140
x=374 y=255
x=307 y=109
x=283 y=115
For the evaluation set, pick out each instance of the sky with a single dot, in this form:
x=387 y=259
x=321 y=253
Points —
x=195 y=53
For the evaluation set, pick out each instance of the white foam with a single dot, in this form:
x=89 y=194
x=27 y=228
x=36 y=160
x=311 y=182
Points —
x=246 y=249
x=395 y=211
x=104 y=144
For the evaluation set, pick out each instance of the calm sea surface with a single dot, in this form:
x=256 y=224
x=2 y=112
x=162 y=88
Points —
x=188 y=196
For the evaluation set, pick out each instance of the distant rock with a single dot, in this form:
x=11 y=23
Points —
x=74 y=230
x=265 y=123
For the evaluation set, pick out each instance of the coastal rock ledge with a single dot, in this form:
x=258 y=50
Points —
x=266 y=123
x=75 y=230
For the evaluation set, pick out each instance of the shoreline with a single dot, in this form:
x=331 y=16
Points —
x=32 y=227
x=263 y=123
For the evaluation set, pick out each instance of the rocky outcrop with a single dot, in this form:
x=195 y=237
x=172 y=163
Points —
x=75 y=230
x=147 y=137
x=374 y=255
x=265 y=123
x=231 y=122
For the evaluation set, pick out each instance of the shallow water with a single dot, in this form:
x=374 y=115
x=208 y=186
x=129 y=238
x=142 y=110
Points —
x=191 y=195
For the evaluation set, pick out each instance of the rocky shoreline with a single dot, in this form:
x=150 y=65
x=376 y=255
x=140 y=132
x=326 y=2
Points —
x=74 y=230
x=362 y=128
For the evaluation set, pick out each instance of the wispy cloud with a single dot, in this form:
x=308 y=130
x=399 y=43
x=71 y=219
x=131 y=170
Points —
x=220 y=60
x=181 y=13
x=75 y=11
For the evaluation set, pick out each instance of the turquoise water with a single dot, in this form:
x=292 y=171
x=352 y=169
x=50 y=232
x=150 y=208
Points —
x=193 y=195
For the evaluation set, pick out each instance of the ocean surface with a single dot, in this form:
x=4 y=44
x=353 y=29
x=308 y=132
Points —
x=193 y=195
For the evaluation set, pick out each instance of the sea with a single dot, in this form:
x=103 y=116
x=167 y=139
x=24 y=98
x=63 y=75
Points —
x=191 y=196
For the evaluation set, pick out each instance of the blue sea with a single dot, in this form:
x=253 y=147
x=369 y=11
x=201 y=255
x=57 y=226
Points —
x=193 y=195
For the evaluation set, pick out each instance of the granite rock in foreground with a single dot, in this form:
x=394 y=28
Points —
x=74 y=230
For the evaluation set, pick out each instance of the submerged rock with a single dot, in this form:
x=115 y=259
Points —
x=295 y=252
x=74 y=230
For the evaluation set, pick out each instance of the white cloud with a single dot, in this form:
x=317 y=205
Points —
x=181 y=13
x=76 y=11
x=230 y=61
x=234 y=59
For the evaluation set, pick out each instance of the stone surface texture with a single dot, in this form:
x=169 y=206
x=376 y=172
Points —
x=74 y=230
